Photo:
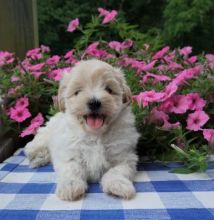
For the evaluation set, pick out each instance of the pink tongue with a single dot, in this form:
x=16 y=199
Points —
x=94 y=122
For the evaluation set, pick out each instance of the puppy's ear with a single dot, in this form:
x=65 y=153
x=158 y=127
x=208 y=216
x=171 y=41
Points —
x=61 y=93
x=127 y=95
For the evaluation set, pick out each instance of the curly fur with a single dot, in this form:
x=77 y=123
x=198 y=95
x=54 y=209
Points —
x=79 y=153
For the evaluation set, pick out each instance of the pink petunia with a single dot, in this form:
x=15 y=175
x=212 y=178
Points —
x=72 y=26
x=38 y=120
x=69 y=54
x=116 y=45
x=185 y=51
x=14 y=78
x=36 y=67
x=127 y=44
x=161 y=53
x=196 y=102
x=156 y=77
x=110 y=16
x=174 y=66
x=169 y=90
x=6 y=58
x=148 y=67
x=70 y=57
x=55 y=74
x=53 y=60
x=34 y=54
x=19 y=114
x=192 y=59
x=34 y=125
x=208 y=134
x=196 y=120
x=179 y=104
x=103 y=12
x=210 y=58
x=160 y=118
x=144 y=98
x=95 y=52
x=187 y=74
x=37 y=74
x=22 y=102
x=45 y=48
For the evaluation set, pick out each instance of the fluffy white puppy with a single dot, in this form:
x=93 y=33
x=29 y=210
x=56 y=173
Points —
x=93 y=137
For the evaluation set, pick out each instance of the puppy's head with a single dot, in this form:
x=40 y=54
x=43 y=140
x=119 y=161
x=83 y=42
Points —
x=94 y=93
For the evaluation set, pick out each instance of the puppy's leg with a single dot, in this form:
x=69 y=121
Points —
x=71 y=184
x=37 y=151
x=118 y=180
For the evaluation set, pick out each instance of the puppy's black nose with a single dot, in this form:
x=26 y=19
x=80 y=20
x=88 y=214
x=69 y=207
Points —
x=94 y=105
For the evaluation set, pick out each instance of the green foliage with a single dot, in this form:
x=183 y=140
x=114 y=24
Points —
x=173 y=22
x=194 y=160
x=190 y=22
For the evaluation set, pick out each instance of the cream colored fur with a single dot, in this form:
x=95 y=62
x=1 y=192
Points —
x=79 y=153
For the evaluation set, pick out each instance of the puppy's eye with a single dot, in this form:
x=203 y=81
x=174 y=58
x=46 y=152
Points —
x=109 y=90
x=77 y=92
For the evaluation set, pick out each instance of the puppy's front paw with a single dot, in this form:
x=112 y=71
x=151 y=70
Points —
x=37 y=155
x=72 y=190
x=120 y=187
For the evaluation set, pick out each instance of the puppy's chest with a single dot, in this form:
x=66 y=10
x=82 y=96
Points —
x=94 y=159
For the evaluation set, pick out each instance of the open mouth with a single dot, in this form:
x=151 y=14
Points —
x=95 y=121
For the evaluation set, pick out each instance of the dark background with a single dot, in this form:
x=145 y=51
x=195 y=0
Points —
x=173 y=22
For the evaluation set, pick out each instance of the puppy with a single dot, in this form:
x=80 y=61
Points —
x=93 y=137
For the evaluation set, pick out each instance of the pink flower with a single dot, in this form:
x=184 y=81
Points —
x=19 y=114
x=55 y=74
x=45 y=48
x=148 y=67
x=179 y=104
x=185 y=51
x=34 y=125
x=192 y=59
x=169 y=90
x=93 y=51
x=34 y=54
x=73 y=25
x=160 y=53
x=38 y=120
x=146 y=97
x=28 y=131
x=6 y=58
x=14 y=79
x=160 y=118
x=126 y=44
x=196 y=102
x=70 y=57
x=36 y=67
x=187 y=74
x=210 y=58
x=69 y=54
x=103 y=12
x=157 y=78
x=37 y=74
x=110 y=16
x=196 y=120
x=53 y=60
x=115 y=45
x=174 y=66
x=208 y=134
x=22 y=102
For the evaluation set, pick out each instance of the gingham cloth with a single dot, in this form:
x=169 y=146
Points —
x=27 y=193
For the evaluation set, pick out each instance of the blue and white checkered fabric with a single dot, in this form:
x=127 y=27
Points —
x=27 y=193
